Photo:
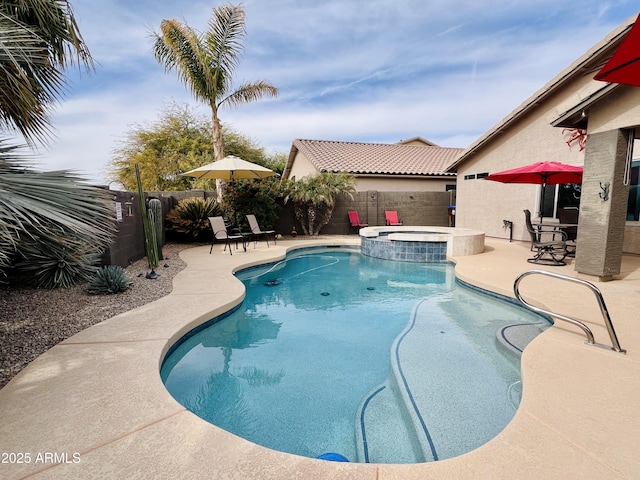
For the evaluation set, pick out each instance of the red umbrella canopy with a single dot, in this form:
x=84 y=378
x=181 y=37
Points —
x=624 y=65
x=542 y=173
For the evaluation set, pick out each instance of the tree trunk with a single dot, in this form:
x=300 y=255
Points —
x=311 y=217
x=218 y=147
x=299 y=209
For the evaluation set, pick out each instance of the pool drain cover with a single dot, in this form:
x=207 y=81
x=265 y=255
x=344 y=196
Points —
x=325 y=294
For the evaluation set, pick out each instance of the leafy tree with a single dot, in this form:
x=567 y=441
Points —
x=314 y=197
x=38 y=40
x=179 y=141
x=207 y=61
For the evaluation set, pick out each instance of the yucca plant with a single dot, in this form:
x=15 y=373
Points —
x=52 y=262
x=191 y=216
x=109 y=279
x=50 y=218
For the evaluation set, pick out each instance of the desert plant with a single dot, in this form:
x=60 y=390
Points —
x=109 y=279
x=49 y=262
x=191 y=216
x=314 y=197
x=150 y=243
x=155 y=218
x=55 y=213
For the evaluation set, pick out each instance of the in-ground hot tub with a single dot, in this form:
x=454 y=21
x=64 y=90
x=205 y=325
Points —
x=420 y=243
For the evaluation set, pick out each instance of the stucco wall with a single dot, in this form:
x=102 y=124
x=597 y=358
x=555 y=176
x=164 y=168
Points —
x=391 y=184
x=483 y=205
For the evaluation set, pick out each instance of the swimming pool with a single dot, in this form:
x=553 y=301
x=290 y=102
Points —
x=329 y=353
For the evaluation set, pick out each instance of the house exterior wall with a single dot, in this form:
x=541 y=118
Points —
x=391 y=184
x=484 y=205
x=301 y=167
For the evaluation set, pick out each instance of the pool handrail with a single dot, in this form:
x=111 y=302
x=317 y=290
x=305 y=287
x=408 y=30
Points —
x=603 y=307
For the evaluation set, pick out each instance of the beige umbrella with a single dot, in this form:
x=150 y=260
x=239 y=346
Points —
x=230 y=168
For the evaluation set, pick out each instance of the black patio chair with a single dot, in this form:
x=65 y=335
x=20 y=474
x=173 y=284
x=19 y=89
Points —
x=546 y=252
x=220 y=234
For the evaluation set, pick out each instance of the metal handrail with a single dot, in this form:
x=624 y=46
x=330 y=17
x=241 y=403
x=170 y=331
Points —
x=603 y=308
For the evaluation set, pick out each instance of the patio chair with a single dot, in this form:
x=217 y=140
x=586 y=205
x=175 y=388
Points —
x=220 y=233
x=257 y=232
x=391 y=217
x=546 y=253
x=354 y=218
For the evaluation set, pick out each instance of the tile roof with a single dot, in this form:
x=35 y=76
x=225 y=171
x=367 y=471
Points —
x=375 y=158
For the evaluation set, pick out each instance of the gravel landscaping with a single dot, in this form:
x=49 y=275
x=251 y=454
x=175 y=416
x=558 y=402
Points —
x=32 y=321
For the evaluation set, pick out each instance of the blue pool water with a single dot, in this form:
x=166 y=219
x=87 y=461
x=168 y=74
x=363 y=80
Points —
x=333 y=351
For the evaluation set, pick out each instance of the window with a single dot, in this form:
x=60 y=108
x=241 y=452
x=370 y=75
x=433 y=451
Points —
x=560 y=196
x=633 y=205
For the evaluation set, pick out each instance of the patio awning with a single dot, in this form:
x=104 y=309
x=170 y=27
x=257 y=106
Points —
x=624 y=65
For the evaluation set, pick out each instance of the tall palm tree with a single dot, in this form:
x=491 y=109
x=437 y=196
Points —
x=207 y=61
x=39 y=38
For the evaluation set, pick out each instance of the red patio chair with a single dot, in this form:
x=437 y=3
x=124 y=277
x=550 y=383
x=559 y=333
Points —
x=354 y=218
x=392 y=218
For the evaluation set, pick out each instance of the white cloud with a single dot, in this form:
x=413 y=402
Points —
x=347 y=70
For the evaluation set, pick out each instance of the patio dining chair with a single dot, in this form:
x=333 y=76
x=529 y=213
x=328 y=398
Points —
x=391 y=216
x=546 y=252
x=220 y=234
x=257 y=232
x=354 y=219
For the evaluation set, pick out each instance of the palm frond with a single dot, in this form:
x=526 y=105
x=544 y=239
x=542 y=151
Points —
x=250 y=92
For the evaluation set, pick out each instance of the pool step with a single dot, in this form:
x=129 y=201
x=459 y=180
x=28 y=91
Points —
x=430 y=397
x=382 y=431
x=514 y=338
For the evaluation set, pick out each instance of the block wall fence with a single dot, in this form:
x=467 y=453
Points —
x=414 y=208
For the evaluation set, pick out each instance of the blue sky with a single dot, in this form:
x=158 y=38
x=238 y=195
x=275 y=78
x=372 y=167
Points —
x=357 y=70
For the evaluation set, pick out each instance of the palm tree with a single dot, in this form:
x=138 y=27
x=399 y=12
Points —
x=53 y=227
x=314 y=197
x=39 y=39
x=206 y=62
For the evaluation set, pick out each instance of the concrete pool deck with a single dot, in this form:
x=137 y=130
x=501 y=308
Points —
x=94 y=406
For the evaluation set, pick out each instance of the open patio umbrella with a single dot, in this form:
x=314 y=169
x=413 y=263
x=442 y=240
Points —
x=230 y=168
x=624 y=65
x=540 y=173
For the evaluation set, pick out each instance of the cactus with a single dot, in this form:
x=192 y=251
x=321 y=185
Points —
x=155 y=218
x=150 y=243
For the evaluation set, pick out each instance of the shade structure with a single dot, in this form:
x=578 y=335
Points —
x=540 y=173
x=230 y=168
x=624 y=65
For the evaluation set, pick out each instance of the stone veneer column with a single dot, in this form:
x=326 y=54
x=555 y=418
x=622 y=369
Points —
x=601 y=222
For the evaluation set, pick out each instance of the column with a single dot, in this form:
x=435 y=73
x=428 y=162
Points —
x=603 y=205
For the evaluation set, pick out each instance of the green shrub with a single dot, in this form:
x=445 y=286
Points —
x=109 y=279
x=191 y=216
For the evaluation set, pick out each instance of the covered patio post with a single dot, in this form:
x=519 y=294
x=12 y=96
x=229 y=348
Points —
x=603 y=205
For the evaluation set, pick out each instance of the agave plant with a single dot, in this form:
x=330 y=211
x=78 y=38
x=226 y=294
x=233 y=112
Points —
x=48 y=218
x=52 y=262
x=191 y=215
x=109 y=279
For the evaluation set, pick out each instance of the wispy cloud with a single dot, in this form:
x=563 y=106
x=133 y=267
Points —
x=357 y=70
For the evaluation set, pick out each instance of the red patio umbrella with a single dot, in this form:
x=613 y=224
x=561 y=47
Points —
x=624 y=65
x=540 y=173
